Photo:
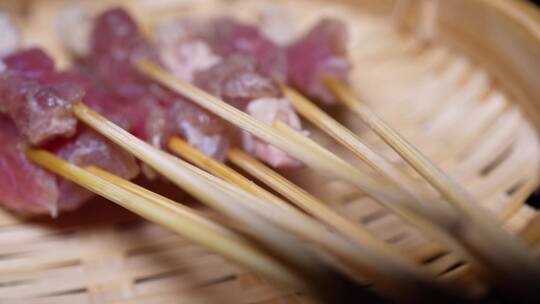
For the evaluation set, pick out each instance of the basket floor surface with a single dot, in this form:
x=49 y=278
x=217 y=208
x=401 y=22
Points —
x=441 y=101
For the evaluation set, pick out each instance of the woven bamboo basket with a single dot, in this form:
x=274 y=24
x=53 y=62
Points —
x=467 y=99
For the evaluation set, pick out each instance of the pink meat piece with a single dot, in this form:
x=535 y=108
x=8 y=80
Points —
x=30 y=64
x=38 y=103
x=117 y=44
x=89 y=148
x=157 y=113
x=27 y=188
x=201 y=129
x=268 y=110
x=322 y=51
x=24 y=186
x=232 y=37
x=98 y=97
x=191 y=45
x=237 y=81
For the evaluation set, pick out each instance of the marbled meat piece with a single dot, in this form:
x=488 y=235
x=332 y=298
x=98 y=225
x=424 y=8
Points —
x=322 y=51
x=232 y=37
x=99 y=98
x=27 y=188
x=117 y=44
x=38 y=103
x=237 y=81
x=89 y=148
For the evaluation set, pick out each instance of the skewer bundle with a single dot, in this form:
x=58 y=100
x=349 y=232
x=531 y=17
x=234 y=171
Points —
x=297 y=239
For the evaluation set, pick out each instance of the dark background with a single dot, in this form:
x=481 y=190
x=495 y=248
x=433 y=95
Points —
x=536 y=1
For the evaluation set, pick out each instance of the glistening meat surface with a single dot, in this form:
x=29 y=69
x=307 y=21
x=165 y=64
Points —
x=27 y=188
x=38 y=103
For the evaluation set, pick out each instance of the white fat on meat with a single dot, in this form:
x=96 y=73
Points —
x=10 y=36
x=74 y=26
x=212 y=145
x=268 y=110
x=182 y=54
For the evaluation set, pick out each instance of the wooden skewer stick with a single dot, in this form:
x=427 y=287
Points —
x=157 y=199
x=437 y=225
x=305 y=200
x=481 y=231
x=419 y=217
x=308 y=202
x=235 y=203
x=350 y=140
x=368 y=251
x=184 y=222
x=336 y=130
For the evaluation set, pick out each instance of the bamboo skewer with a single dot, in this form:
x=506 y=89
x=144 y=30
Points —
x=256 y=212
x=369 y=250
x=157 y=199
x=235 y=204
x=437 y=225
x=306 y=201
x=350 y=140
x=185 y=222
x=494 y=243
